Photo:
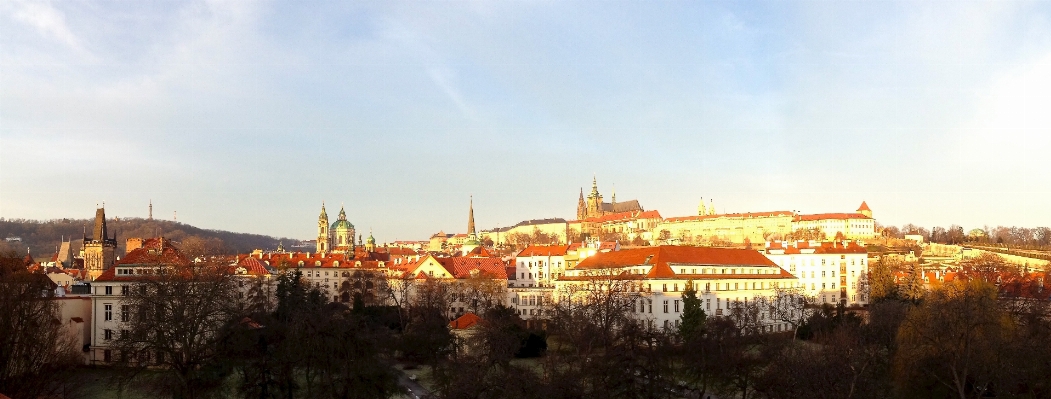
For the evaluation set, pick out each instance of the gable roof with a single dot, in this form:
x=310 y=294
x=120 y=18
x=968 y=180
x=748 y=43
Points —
x=662 y=257
x=830 y=216
x=461 y=267
x=468 y=320
x=544 y=250
x=864 y=207
x=626 y=206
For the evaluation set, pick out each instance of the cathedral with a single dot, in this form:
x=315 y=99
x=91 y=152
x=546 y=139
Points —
x=594 y=207
x=339 y=236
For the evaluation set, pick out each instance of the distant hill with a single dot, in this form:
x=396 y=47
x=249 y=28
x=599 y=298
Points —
x=43 y=237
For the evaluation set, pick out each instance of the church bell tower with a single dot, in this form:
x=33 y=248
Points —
x=322 y=231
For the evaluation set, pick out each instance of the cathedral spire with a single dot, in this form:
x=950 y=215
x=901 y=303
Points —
x=470 y=218
x=324 y=215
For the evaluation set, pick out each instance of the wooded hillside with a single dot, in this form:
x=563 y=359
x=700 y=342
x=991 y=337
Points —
x=44 y=237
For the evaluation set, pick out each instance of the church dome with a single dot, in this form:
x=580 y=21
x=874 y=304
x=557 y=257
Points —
x=342 y=224
x=370 y=240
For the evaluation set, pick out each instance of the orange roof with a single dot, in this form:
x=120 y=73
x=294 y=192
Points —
x=253 y=266
x=544 y=250
x=830 y=216
x=621 y=216
x=826 y=247
x=864 y=207
x=468 y=320
x=662 y=256
x=461 y=267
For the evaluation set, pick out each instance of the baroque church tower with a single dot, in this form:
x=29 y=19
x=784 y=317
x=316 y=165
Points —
x=322 y=231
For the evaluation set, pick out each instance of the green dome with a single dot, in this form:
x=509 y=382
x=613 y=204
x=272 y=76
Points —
x=370 y=240
x=342 y=224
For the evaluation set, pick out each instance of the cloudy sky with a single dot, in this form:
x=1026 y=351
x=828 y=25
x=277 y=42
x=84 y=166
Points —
x=246 y=115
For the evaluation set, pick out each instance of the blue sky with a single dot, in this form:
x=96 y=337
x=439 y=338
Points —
x=245 y=115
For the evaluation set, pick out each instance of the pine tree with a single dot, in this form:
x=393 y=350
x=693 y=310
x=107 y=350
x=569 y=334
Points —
x=693 y=316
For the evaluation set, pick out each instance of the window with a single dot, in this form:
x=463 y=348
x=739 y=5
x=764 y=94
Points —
x=708 y=304
x=822 y=273
x=107 y=355
x=833 y=273
x=676 y=287
x=676 y=306
x=108 y=334
x=664 y=288
x=109 y=290
x=665 y=306
x=125 y=313
x=109 y=312
x=124 y=290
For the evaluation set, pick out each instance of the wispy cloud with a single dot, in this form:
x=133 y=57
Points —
x=45 y=18
x=441 y=78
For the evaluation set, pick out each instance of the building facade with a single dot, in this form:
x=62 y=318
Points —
x=655 y=278
x=831 y=272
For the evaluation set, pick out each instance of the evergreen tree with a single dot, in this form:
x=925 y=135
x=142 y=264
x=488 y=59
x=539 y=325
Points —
x=693 y=316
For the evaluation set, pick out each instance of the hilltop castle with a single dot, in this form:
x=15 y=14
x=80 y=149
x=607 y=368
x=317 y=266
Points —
x=594 y=207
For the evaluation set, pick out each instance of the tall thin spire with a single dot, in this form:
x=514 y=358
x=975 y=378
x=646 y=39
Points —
x=613 y=195
x=470 y=218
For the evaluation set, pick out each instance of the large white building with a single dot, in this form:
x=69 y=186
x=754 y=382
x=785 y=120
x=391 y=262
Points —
x=831 y=272
x=846 y=226
x=659 y=275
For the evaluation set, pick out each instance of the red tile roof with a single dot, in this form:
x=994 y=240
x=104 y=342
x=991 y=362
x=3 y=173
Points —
x=468 y=320
x=660 y=257
x=544 y=250
x=461 y=267
x=622 y=216
x=253 y=266
x=830 y=216
x=864 y=207
x=826 y=247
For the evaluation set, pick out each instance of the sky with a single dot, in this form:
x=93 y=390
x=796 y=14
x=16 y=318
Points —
x=246 y=115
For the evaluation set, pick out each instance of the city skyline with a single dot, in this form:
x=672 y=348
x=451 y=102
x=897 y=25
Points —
x=245 y=116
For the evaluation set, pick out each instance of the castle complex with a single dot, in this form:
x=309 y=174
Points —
x=594 y=207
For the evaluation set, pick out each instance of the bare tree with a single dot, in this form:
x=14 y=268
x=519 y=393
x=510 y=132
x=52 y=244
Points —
x=35 y=347
x=177 y=319
x=790 y=305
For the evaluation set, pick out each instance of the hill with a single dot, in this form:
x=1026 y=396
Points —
x=44 y=237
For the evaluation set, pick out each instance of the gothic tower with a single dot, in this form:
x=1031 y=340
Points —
x=582 y=208
x=472 y=234
x=594 y=200
x=99 y=252
x=322 y=231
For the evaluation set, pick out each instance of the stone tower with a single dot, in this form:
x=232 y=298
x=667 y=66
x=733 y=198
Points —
x=864 y=209
x=322 y=231
x=100 y=250
x=582 y=207
x=594 y=206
